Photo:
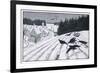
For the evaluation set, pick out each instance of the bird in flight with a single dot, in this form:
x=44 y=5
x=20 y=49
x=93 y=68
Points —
x=62 y=42
x=72 y=47
x=72 y=40
x=83 y=42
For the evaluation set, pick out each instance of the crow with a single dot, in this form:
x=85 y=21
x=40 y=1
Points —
x=72 y=40
x=83 y=42
x=62 y=42
x=72 y=47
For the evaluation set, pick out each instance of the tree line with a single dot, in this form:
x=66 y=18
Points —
x=68 y=25
x=31 y=22
x=71 y=25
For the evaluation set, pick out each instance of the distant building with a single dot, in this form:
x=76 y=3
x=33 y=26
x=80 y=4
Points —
x=52 y=27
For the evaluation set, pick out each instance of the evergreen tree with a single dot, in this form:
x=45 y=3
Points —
x=71 y=25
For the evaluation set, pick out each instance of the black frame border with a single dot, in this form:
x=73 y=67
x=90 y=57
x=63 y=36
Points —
x=13 y=35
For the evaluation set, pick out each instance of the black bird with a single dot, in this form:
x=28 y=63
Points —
x=73 y=47
x=72 y=40
x=62 y=42
x=83 y=42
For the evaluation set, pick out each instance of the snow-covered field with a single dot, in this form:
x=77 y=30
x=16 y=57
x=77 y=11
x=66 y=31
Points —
x=50 y=48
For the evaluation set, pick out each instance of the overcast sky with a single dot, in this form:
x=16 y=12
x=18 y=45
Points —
x=50 y=17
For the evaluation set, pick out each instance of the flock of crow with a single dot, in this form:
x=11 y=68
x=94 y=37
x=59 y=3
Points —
x=72 y=41
x=67 y=46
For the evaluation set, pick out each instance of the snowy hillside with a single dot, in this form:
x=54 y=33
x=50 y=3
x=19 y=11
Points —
x=48 y=47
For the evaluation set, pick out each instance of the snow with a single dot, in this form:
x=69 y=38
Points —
x=49 y=48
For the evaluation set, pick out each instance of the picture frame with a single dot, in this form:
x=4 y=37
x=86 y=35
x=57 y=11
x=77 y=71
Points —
x=51 y=18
